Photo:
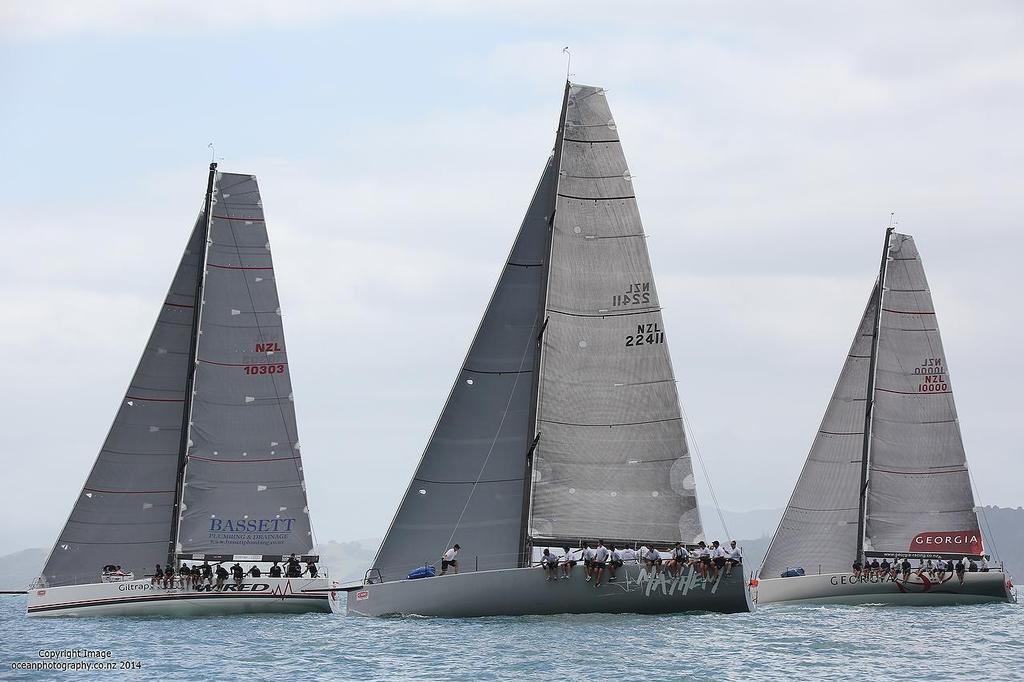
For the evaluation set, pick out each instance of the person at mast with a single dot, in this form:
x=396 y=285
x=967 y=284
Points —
x=600 y=562
x=168 y=577
x=735 y=557
x=450 y=560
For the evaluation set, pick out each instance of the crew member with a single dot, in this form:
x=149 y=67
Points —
x=275 y=571
x=222 y=575
x=550 y=564
x=449 y=560
x=614 y=563
x=599 y=562
x=734 y=555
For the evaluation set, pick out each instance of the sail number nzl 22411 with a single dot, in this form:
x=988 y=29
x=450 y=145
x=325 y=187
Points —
x=646 y=334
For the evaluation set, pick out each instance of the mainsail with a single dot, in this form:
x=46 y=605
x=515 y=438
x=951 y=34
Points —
x=611 y=460
x=914 y=496
x=564 y=422
x=244 y=491
x=125 y=514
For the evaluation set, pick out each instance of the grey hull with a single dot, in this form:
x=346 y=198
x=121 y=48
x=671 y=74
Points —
x=524 y=591
x=845 y=588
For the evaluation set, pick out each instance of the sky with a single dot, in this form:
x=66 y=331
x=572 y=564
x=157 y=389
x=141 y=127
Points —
x=397 y=146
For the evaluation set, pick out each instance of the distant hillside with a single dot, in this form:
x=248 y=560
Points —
x=1005 y=528
x=18 y=570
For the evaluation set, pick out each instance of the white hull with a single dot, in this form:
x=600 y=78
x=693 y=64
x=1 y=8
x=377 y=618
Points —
x=845 y=588
x=524 y=591
x=140 y=598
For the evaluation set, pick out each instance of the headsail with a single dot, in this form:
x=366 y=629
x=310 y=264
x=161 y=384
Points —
x=123 y=514
x=819 y=526
x=919 y=490
x=470 y=477
x=244 y=490
x=611 y=459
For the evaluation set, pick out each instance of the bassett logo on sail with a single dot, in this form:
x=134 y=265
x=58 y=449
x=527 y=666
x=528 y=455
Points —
x=959 y=542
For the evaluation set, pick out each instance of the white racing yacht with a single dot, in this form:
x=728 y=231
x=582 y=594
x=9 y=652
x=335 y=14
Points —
x=202 y=461
x=563 y=425
x=886 y=478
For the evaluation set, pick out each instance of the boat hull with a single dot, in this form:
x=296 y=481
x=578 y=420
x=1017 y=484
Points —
x=524 y=591
x=140 y=598
x=845 y=588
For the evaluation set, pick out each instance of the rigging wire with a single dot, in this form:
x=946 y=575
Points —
x=703 y=468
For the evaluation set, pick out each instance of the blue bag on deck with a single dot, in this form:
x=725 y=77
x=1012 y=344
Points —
x=793 y=572
x=423 y=572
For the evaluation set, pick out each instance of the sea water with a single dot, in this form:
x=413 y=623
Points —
x=778 y=642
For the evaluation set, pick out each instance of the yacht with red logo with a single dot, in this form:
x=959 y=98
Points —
x=883 y=511
x=201 y=465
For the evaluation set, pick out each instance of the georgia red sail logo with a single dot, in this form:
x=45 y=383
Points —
x=948 y=542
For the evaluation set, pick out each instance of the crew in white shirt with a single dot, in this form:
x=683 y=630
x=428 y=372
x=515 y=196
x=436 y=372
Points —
x=629 y=555
x=600 y=562
x=984 y=564
x=588 y=560
x=735 y=556
x=717 y=559
x=448 y=560
x=704 y=558
x=614 y=563
x=549 y=560
x=569 y=561
x=652 y=561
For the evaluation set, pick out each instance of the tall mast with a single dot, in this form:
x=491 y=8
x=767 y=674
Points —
x=525 y=548
x=186 y=413
x=869 y=405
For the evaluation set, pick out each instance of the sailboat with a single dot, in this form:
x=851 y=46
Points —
x=202 y=461
x=886 y=478
x=563 y=425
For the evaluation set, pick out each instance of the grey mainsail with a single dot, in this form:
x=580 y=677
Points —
x=530 y=450
x=244 y=490
x=819 y=526
x=611 y=459
x=123 y=514
x=471 y=475
x=904 y=485
x=919 y=488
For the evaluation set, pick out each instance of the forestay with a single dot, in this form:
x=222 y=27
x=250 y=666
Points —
x=244 y=490
x=611 y=460
x=124 y=513
x=919 y=489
